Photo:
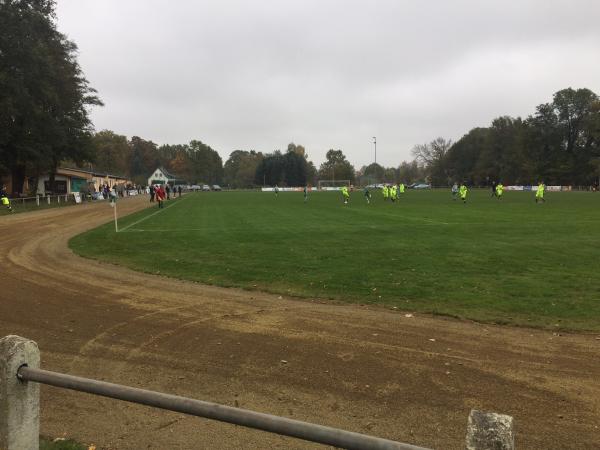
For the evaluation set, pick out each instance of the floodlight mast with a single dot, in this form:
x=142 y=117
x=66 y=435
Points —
x=375 y=143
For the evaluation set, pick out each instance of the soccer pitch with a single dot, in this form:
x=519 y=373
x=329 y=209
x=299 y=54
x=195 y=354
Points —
x=508 y=261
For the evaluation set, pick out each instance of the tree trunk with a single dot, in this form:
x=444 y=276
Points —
x=18 y=180
x=52 y=177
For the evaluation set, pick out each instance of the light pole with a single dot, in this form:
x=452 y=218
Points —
x=375 y=144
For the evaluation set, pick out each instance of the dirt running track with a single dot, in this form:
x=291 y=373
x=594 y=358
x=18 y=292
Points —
x=364 y=369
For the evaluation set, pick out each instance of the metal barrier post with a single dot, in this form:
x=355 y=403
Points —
x=19 y=401
x=37 y=200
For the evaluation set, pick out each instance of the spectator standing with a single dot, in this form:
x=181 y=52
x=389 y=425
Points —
x=160 y=196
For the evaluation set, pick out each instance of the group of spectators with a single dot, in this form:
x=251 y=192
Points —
x=161 y=193
x=118 y=190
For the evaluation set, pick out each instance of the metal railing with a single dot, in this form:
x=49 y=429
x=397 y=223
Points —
x=237 y=416
x=20 y=377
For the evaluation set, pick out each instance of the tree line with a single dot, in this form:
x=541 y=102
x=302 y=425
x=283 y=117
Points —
x=558 y=144
x=137 y=158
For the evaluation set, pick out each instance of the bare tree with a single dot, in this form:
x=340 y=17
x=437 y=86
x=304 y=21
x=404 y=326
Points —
x=433 y=152
x=433 y=158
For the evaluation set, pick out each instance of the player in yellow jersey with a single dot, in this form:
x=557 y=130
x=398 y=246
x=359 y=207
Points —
x=539 y=193
x=462 y=192
x=345 y=194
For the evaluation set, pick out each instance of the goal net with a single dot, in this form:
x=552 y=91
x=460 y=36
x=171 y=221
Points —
x=333 y=185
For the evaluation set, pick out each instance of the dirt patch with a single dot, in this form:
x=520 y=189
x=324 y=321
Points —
x=365 y=369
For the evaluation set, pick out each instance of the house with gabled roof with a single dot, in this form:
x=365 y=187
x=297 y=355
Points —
x=161 y=176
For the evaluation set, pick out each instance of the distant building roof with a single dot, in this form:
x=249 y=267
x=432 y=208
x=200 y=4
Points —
x=94 y=173
x=168 y=175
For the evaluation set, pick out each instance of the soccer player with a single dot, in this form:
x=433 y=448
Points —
x=463 y=191
x=494 y=191
x=393 y=192
x=402 y=188
x=385 y=191
x=499 y=191
x=305 y=193
x=454 y=190
x=345 y=194
x=367 y=194
x=276 y=191
x=539 y=194
x=4 y=199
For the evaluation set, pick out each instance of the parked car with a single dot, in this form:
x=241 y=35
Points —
x=216 y=187
x=205 y=187
x=421 y=186
x=195 y=187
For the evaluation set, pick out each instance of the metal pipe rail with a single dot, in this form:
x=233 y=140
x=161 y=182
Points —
x=251 y=419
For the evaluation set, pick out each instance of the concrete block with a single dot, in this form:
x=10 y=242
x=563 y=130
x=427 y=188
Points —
x=490 y=431
x=19 y=401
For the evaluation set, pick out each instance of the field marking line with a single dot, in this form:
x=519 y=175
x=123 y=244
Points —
x=147 y=217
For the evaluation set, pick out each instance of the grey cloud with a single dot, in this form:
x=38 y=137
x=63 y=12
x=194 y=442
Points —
x=260 y=74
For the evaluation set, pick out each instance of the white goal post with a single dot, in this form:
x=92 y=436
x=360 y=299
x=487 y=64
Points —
x=333 y=185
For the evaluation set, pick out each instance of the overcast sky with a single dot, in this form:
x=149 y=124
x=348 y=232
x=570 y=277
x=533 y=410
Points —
x=327 y=73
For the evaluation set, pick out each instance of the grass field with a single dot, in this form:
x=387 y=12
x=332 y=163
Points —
x=68 y=444
x=508 y=261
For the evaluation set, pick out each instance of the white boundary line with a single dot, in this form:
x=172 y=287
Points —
x=147 y=217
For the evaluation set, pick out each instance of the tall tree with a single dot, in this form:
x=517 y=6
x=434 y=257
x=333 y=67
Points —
x=432 y=156
x=179 y=164
x=502 y=157
x=336 y=167
x=463 y=156
x=207 y=165
x=112 y=153
x=410 y=172
x=289 y=169
x=373 y=173
x=312 y=174
x=240 y=168
x=43 y=93
x=144 y=159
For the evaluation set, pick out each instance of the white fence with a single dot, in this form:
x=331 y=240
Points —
x=287 y=189
x=30 y=203
x=42 y=200
x=533 y=188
